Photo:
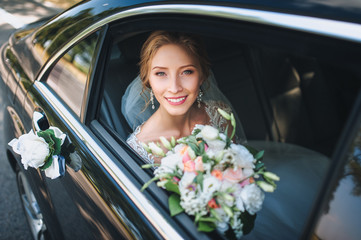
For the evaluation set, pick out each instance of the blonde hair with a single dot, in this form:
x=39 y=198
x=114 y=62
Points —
x=157 y=39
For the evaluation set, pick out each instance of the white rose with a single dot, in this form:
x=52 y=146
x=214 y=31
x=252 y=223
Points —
x=252 y=197
x=32 y=148
x=209 y=133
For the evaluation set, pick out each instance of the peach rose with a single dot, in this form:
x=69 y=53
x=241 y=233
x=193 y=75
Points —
x=233 y=176
x=189 y=166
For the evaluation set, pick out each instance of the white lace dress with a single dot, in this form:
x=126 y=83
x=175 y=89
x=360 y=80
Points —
x=216 y=120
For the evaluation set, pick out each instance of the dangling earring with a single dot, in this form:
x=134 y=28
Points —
x=199 y=98
x=152 y=98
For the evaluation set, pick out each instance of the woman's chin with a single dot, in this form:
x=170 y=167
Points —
x=178 y=110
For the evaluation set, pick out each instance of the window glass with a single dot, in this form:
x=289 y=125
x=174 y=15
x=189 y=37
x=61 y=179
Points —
x=340 y=219
x=69 y=75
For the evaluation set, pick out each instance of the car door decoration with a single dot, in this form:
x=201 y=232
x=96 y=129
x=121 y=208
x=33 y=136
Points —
x=42 y=150
x=213 y=179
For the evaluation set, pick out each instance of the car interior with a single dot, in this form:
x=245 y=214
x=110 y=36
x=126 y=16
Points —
x=291 y=104
x=277 y=96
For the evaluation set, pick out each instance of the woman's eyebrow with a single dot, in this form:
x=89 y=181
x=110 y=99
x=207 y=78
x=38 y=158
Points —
x=159 y=67
x=189 y=65
x=184 y=66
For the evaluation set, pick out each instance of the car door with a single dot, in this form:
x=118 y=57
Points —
x=86 y=202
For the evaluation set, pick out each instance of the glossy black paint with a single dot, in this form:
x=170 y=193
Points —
x=106 y=211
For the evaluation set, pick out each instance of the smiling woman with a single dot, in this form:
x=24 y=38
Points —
x=173 y=67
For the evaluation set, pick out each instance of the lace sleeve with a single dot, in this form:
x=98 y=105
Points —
x=137 y=146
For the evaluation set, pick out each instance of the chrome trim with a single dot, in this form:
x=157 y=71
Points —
x=133 y=192
x=324 y=27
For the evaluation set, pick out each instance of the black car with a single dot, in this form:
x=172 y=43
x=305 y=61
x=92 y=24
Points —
x=291 y=69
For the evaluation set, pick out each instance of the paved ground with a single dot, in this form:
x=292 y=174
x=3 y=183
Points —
x=13 y=14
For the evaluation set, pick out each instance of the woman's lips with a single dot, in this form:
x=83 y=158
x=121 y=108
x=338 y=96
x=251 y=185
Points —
x=176 y=100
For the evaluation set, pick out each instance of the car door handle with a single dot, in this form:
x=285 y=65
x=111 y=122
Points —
x=40 y=121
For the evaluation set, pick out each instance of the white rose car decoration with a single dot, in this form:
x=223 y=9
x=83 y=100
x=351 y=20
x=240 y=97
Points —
x=42 y=150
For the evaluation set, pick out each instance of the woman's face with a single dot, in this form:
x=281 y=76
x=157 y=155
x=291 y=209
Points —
x=175 y=79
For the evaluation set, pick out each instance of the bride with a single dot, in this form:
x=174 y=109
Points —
x=173 y=71
x=173 y=67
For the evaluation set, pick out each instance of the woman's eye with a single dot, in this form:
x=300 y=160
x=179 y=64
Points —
x=188 y=72
x=160 y=74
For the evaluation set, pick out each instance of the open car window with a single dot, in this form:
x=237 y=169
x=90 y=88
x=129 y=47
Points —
x=291 y=97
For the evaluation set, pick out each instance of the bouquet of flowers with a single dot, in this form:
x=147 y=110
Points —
x=218 y=182
x=42 y=150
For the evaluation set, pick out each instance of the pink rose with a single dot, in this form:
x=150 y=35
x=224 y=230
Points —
x=233 y=176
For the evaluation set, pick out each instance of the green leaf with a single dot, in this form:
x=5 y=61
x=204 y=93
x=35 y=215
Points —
x=259 y=165
x=172 y=187
x=192 y=139
x=194 y=147
x=174 y=205
x=196 y=131
x=201 y=147
x=48 y=163
x=259 y=155
x=205 y=158
x=52 y=140
x=208 y=219
x=182 y=140
x=206 y=226
x=199 y=180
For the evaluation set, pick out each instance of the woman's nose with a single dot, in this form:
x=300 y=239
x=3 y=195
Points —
x=175 y=85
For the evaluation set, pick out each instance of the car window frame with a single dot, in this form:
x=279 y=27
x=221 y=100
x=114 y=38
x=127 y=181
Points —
x=53 y=60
